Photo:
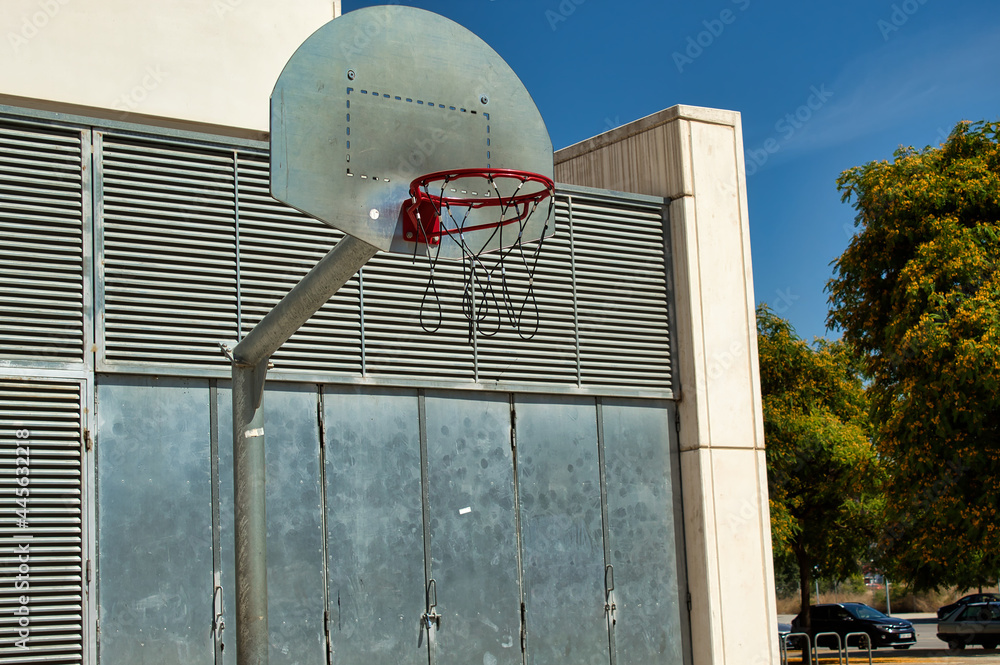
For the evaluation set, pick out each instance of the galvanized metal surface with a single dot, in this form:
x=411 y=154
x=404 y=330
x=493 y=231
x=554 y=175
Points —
x=250 y=359
x=369 y=584
x=250 y=515
x=374 y=522
x=645 y=532
x=560 y=498
x=384 y=94
x=295 y=569
x=473 y=548
x=155 y=522
x=274 y=250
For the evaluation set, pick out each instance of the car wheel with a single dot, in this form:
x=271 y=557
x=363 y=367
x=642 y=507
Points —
x=990 y=645
x=956 y=645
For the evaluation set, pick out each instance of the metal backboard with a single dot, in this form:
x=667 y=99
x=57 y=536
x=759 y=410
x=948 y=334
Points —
x=382 y=95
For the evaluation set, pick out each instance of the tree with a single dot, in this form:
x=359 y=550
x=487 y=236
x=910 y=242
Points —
x=917 y=292
x=822 y=472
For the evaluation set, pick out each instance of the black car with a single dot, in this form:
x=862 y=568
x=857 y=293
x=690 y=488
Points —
x=962 y=602
x=844 y=618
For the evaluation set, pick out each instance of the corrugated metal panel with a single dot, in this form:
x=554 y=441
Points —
x=170 y=219
x=278 y=246
x=169 y=252
x=396 y=291
x=41 y=532
x=41 y=223
x=544 y=299
x=621 y=281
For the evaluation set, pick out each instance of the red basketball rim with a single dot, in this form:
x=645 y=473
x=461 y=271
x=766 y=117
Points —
x=423 y=188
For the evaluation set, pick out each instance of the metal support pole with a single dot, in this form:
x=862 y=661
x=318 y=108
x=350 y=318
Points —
x=888 y=600
x=251 y=516
x=250 y=362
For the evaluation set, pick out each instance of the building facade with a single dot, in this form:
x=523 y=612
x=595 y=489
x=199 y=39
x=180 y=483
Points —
x=595 y=494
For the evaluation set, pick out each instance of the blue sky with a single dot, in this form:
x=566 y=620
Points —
x=881 y=73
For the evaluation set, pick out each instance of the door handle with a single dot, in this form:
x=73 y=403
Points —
x=218 y=621
x=609 y=593
x=430 y=618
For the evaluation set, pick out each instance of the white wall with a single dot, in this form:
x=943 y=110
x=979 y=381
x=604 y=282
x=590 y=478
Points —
x=206 y=61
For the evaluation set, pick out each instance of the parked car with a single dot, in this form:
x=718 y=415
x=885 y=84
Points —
x=962 y=602
x=784 y=629
x=973 y=623
x=844 y=618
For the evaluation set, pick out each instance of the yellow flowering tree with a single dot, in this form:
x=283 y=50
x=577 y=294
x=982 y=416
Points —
x=822 y=472
x=917 y=292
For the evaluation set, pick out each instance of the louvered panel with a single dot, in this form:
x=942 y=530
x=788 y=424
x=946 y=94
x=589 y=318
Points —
x=621 y=293
x=169 y=252
x=397 y=289
x=278 y=246
x=41 y=223
x=41 y=538
x=550 y=354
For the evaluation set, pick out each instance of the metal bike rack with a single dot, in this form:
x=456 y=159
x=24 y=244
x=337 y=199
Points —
x=783 y=646
x=866 y=641
x=840 y=647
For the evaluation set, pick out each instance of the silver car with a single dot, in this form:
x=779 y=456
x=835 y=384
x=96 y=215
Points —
x=975 y=623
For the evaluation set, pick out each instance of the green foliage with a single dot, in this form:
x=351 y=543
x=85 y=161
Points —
x=786 y=575
x=917 y=292
x=822 y=472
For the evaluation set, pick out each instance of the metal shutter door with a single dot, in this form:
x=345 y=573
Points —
x=41 y=223
x=169 y=252
x=278 y=246
x=621 y=280
x=43 y=419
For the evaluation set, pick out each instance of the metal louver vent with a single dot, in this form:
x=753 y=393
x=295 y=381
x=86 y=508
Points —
x=621 y=283
x=543 y=305
x=400 y=299
x=41 y=223
x=169 y=252
x=41 y=544
x=196 y=252
x=278 y=246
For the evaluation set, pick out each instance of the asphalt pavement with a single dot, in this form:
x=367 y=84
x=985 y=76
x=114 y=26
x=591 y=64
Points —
x=928 y=649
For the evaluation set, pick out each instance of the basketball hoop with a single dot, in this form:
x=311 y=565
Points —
x=438 y=212
x=516 y=193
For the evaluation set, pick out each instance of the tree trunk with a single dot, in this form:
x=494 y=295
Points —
x=805 y=585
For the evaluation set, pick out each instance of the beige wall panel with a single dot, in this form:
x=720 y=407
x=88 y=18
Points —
x=702 y=558
x=644 y=157
x=745 y=566
x=728 y=327
x=692 y=363
x=205 y=61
